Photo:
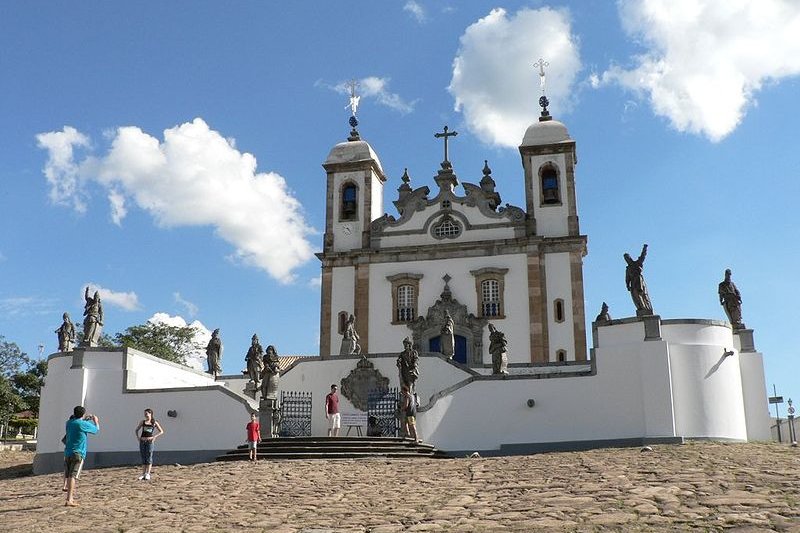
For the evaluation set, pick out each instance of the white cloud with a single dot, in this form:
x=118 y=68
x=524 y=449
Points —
x=494 y=82
x=189 y=306
x=27 y=305
x=197 y=359
x=128 y=301
x=416 y=11
x=315 y=283
x=62 y=173
x=377 y=89
x=705 y=59
x=195 y=177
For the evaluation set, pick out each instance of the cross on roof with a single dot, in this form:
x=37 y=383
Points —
x=541 y=64
x=445 y=135
x=353 y=105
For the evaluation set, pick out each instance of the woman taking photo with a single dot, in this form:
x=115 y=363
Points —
x=147 y=438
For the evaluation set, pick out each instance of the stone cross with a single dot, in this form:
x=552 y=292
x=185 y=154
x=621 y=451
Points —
x=445 y=134
x=541 y=64
x=353 y=105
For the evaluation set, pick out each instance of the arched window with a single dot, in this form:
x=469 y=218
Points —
x=342 y=321
x=490 y=297
x=489 y=289
x=550 y=190
x=406 y=303
x=561 y=356
x=405 y=296
x=558 y=310
x=349 y=202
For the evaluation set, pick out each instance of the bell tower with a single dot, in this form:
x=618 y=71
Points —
x=555 y=264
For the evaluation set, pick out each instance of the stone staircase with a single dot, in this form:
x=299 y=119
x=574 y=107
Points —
x=335 y=448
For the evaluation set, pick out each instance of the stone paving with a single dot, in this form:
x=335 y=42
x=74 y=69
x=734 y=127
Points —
x=691 y=487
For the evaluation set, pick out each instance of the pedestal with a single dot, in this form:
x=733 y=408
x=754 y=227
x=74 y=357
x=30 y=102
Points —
x=266 y=418
x=746 y=342
x=652 y=327
x=250 y=389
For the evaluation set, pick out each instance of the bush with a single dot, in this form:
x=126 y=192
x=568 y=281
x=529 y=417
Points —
x=27 y=424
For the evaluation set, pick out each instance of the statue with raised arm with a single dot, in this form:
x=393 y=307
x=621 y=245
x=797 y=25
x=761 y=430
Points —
x=604 y=315
x=92 y=319
x=66 y=334
x=214 y=354
x=271 y=375
x=731 y=300
x=350 y=338
x=254 y=361
x=497 y=348
x=448 y=341
x=634 y=281
x=408 y=364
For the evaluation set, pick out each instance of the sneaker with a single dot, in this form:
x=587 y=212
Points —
x=141 y=478
x=147 y=477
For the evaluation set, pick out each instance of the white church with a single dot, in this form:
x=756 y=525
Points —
x=457 y=250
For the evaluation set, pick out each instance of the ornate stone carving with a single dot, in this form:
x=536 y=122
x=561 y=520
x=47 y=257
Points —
x=271 y=375
x=92 y=319
x=464 y=323
x=350 y=338
x=360 y=381
x=214 y=354
x=66 y=334
x=604 y=315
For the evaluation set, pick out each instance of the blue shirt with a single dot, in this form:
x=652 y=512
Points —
x=77 y=429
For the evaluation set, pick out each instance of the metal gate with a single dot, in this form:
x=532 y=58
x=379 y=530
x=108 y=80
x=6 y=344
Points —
x=295 y=414
x=382 y=412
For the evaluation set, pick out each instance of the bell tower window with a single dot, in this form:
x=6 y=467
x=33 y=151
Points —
x=349 y=202
x=551 y=194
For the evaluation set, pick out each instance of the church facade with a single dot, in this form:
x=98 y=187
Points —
x=458 y=250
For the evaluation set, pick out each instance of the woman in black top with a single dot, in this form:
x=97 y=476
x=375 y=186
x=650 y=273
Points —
x=147 y=437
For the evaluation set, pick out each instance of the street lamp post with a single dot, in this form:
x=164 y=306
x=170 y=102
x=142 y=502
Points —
x=792 y=434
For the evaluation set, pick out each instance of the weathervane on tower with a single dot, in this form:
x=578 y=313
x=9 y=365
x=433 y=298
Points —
x=353 y=105
x=543 y=101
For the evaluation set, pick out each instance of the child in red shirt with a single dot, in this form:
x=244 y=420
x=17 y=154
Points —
x=253 y=436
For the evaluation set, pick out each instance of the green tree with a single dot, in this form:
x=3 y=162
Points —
x=173 y=343
x=10 y=403
x=12 y=359
x=28 y=385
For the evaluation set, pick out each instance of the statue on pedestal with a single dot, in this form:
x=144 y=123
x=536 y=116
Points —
x=731 y=300
x=214 y=354
x=448 y=341
x=604 y=315
x=66 y=334
x=408 y=364
x=350 y=338
x=634 y=281
x=271 y=375
x=254 y=360
x=92 y=319
x=497 y=347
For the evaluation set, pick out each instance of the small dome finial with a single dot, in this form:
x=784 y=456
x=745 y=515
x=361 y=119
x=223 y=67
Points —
x=405 y=177
x=486 y=170
x=543 y=101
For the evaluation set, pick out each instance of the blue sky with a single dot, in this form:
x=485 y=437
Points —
x=684 y=116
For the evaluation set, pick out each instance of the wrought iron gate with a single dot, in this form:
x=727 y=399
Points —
x=382 y=413
x=295 y=414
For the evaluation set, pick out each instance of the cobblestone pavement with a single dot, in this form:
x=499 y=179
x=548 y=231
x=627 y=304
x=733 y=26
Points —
x=696 y=486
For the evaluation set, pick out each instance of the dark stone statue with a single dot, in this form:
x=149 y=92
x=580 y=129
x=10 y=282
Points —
x=497 y=348
x=214 y=354
x=448 y=341
x=634 y=281
x=254 y=361
x=731 y=301
x=92 y=319
x=66 y=334
x=408 y=364
x=350 y=338
x=271 y=375
x=604 y=315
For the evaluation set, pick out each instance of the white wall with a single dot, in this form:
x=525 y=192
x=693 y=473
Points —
x=208 y=418
x=559 y=285
x=317 y=377
x=385 y=337
x=343 y=287
x=341 y=240
x=754 y=392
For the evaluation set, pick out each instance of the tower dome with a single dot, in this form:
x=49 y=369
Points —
x=545 y=132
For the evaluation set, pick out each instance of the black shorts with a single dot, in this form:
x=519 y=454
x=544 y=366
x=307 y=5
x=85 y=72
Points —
x=73 y=464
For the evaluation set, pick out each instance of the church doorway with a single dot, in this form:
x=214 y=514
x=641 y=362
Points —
x=435 y=345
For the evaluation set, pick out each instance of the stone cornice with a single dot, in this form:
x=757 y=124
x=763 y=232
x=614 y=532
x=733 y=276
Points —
x=355 y=166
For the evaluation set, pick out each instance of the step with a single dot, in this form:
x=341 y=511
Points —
x=335 y=448
x=328 y=455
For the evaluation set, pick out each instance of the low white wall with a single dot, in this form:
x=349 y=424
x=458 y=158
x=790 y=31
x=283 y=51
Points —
x=317 y=377
x=209 y=417
x=754 y=392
